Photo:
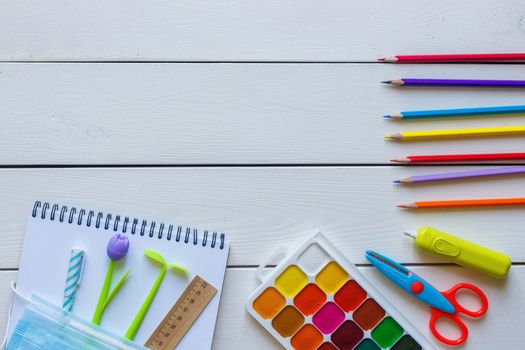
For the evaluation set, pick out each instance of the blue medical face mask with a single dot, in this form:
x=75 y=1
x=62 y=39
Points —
x=44 y=326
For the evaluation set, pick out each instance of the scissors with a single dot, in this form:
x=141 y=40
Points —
x=442 y=304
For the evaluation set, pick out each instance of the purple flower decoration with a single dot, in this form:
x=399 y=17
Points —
x=118 y=246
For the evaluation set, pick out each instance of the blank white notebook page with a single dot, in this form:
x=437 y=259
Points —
x=44 y=264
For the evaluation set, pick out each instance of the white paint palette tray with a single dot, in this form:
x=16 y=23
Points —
x=316 y=299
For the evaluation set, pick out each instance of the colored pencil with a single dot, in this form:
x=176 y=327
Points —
x=462 y=175
x=464 y=203
x=457 y=82
x=457 y=112
x=450 y=158
x=474 y=132
x=480 y=57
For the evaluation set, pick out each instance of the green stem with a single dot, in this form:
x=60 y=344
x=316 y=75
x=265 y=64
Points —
x=116 y=289
x=137 y=321
x=97 y=317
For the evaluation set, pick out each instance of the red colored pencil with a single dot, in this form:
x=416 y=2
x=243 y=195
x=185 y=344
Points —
x=489 y=57
x=450 y=158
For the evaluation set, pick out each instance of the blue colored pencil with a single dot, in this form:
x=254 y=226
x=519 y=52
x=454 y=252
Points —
x=457 y=112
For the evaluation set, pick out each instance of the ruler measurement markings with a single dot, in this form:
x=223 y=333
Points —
x=182 y=315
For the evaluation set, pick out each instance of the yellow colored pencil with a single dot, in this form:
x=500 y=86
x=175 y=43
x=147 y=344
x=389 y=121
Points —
x=475 y=132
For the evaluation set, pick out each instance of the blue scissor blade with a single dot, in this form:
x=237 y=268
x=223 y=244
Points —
x=410 y=282
x=396 y=272
x=371 y=255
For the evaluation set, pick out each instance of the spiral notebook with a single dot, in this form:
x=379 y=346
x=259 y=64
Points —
x=51 y=232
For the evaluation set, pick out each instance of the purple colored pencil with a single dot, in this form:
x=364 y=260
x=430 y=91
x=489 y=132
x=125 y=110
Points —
x=457 y=82
x=462 y=175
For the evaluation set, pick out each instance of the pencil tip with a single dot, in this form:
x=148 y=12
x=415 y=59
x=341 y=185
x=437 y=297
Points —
x=400 y=160
x=397 y=136
x=393 y=116
x=397 y=181
x=382 y=59
x=387 y=82
x=389 y=59
x=412 y=205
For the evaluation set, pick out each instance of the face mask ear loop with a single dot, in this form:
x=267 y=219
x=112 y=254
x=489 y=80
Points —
x=15 y=294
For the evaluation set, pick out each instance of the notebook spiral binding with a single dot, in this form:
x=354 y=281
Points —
x=80 y=217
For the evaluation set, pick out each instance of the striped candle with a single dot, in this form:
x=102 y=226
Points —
x=74 y=271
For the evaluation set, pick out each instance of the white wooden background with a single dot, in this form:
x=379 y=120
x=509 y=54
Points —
x=261 y=119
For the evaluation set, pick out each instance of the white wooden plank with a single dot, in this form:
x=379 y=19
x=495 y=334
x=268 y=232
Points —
x=260 y=208
x=279 y=30
x=500 y=327
x=231 y=113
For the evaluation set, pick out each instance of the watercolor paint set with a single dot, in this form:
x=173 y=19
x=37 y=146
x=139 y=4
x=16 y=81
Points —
x=317 y=300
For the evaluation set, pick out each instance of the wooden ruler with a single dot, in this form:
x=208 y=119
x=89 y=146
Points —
x=182 y=315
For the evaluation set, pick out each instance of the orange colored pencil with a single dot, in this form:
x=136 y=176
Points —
x=464 y=203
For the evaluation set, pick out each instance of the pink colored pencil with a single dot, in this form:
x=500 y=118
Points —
x=482 y=57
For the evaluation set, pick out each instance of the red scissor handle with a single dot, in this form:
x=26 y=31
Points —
x=451 y=296
x=436 y=315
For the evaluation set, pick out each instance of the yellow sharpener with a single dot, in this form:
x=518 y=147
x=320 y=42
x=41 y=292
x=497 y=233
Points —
x=461 y=252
